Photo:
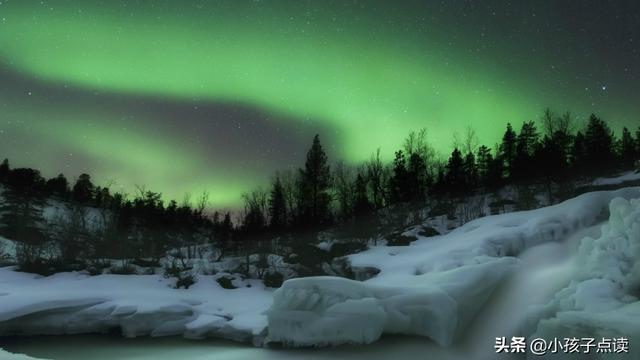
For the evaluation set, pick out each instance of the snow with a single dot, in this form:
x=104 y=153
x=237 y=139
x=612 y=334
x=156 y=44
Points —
x=4 y=355
x=434 y=287
x=71 y=303
x=628 y=176
x=602 y=298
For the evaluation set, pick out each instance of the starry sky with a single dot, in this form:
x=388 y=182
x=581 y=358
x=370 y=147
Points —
x=188 y=96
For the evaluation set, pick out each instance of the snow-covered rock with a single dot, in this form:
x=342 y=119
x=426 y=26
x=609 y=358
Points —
x=433 y=287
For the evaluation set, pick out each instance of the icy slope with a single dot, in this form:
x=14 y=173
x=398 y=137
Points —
x=602 y=300
x=433 y=287
x=70 y=303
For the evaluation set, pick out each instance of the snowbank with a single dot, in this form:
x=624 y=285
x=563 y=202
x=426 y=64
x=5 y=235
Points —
x=4 y=355
x=72 y=303
x=434 y=287
x=602 y=300
x=628 y=176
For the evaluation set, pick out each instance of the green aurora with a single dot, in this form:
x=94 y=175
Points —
x=368 y=72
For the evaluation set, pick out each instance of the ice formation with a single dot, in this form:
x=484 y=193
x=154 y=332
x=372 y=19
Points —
x=602 y=299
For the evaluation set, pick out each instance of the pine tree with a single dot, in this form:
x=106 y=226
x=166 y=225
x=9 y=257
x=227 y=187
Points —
x=484 y=161
x=417 y=179
x=627 y=148
x=4 y=171
x=599 y=145
x=508 y=149
x=315 y=180
x=470 y=171
x=527 y=142
x=455 y=178
x=277 y=206
x=579 y=153
x=83 y=189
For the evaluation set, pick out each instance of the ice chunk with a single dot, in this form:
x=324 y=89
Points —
x=329 y=310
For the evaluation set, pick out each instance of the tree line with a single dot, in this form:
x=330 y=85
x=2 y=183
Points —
x=319 y=194
x=97 y=226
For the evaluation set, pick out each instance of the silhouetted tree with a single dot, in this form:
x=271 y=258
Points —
x=277 y=206
x=484 y=163
x=398 y=181
x=315 y=180
x=455 y=178
x=255 y=206
x=4 y=171
x=417 y=178
x=375 y=177
x=83 y=189
x=21 y=216
x=599 y=145
x=627 y=148
x=579 y=159
x=524 y=166
x=57 y=186
x=508 y=149
x=361 y=202
x=470 y=171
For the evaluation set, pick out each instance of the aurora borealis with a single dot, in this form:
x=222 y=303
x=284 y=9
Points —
x=216 y=95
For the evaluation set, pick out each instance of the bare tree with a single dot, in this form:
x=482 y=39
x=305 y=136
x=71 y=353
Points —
x=553 y=123
x=344 y=190
x=375 y=174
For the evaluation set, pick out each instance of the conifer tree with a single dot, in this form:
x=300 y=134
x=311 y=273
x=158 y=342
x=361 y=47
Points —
x=627 y=148
x=579 y=153
x=83 y=189
x=4 y=171
x=470 y=170
x=599 y=144
x=455 y=178
x=508 y=149
x=527 y=142
x=277 y=206
x=315 y=180
x=417 y=180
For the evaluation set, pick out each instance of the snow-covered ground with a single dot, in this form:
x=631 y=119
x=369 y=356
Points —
x=71 y=303
x=626 y=177
x=435 y=288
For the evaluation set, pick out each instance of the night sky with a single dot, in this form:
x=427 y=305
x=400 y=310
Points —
x=216 y=95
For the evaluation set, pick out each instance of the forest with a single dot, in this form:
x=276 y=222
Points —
x=98 y=230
